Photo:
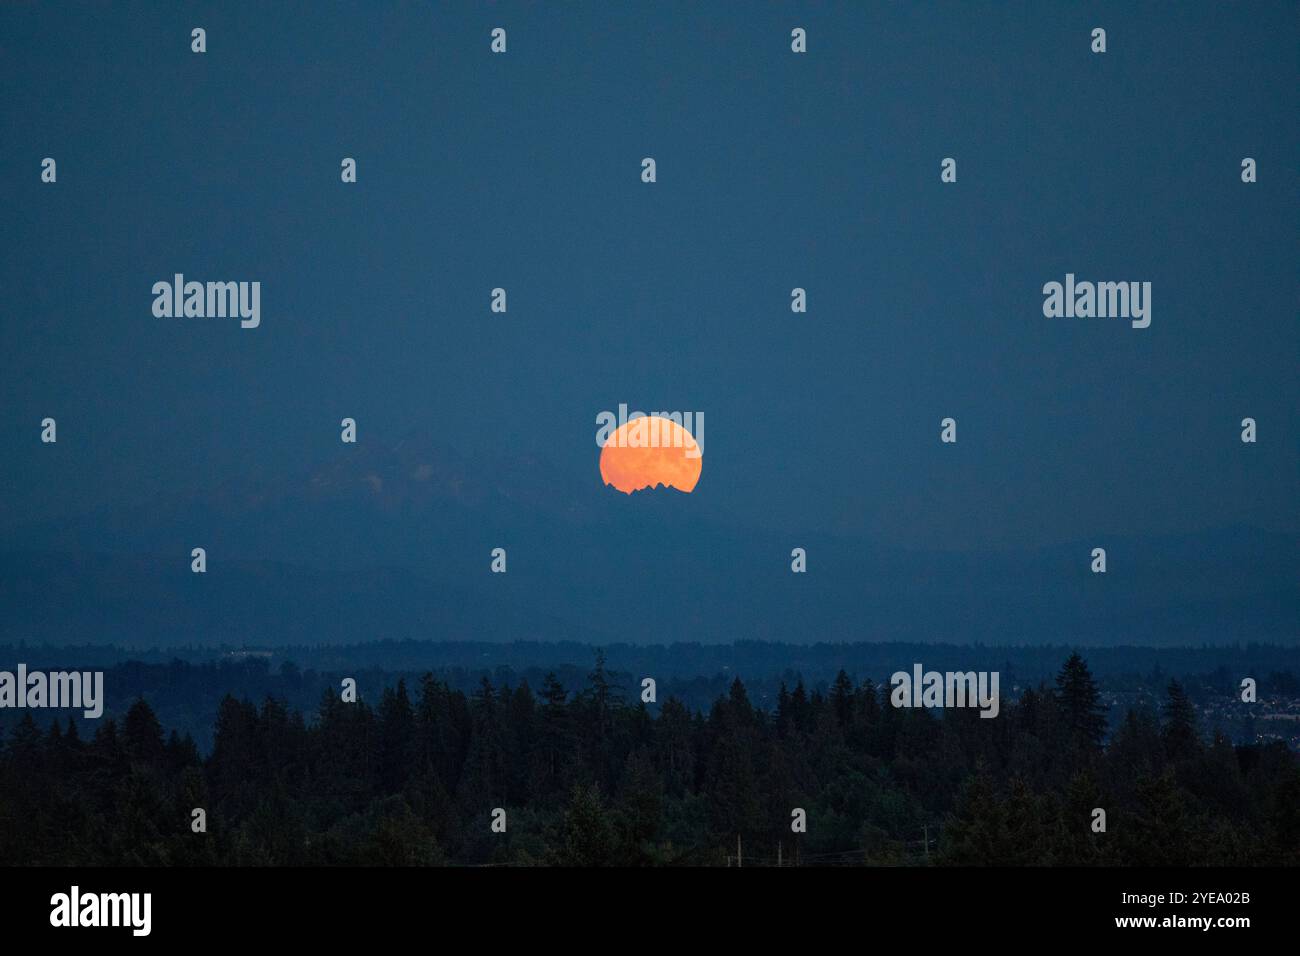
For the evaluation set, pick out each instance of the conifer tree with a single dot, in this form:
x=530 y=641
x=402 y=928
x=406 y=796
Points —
x=1080 y=707
x=1179 y=732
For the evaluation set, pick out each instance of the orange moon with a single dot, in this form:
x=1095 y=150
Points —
x=649 y=452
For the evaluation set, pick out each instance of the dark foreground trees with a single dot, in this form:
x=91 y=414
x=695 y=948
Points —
x=587 y=779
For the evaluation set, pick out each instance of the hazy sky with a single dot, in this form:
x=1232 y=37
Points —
x=775 y=170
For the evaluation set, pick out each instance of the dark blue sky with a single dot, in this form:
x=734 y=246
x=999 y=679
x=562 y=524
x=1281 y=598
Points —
x=774 y=171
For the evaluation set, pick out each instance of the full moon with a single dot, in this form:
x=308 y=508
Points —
x=649 y=452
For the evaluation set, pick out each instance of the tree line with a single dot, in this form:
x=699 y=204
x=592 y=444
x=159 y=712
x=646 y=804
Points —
x=589 y=777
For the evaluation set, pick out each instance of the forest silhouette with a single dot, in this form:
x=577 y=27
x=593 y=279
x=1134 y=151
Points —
x=587 y=777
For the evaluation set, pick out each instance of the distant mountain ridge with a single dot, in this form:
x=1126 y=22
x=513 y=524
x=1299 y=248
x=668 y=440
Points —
x=394 y=541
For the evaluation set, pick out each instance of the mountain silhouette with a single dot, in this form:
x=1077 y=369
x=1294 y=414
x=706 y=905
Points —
x=395 y=541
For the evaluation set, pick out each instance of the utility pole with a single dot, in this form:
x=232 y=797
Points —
x=778 y=854
x=925 y=828
x=740 y=860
